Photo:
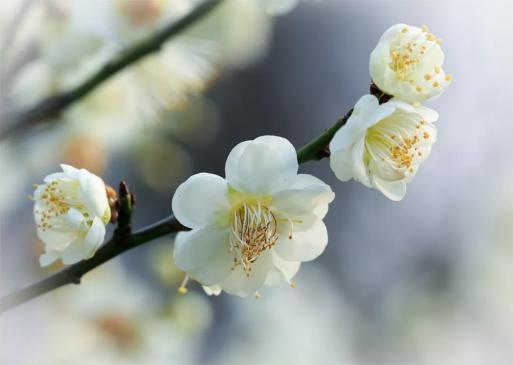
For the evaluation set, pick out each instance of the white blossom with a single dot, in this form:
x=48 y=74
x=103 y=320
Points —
x=407 y=64
x=71 y=210
x=255 y=227
x=382 y=146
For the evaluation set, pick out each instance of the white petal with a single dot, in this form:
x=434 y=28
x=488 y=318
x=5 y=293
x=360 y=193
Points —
x=359 y=167
x=76 y=219
x=202 y=200
x=93 y=194
x=366 y=113
x=75 y=252
x=47 y=259
x=239 y=284
x=232 y=162
x=54 y=240
x=304 y=200
x=71 y=171
x=282 y=271
x=218 y=267
x=304 y=245
x=195 y=249
x=263 y=166
x=94 y=238
x=212 y=290
x=341 y=162
x=393 y=190
x=283 y=146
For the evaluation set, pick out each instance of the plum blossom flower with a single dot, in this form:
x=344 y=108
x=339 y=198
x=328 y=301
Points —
x=255 y=227
x=407 y=63
x=382 y=146
x=71 y=210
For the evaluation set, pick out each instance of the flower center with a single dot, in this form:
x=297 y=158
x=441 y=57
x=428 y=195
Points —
x=253 y=230
x=57 y=198
x=409 y=53
x=397 y=143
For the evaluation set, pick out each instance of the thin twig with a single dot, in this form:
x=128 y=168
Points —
x=54 y=105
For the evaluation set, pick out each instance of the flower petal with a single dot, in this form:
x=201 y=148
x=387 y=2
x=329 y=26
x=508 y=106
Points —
x=194 y=249
x=201 y=200
x=359 y=168
x=303 y=245
x=282 y=271
x=307 y=192
x=93 y=194
x=263 y=166
x=393 y=190
x=75 y=252
x=216 y=270
x=239 y=284
x=212 y=290
x=366 y=113
x=95 y=236
x=341 y=162
x=47 y=259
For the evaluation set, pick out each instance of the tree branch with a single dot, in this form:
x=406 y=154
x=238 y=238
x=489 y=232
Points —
x=54 y=105
x=123 y=239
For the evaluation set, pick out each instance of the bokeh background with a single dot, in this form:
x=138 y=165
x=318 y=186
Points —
x=428 y=280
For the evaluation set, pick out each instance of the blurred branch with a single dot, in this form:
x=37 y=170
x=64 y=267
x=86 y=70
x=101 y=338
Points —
x=54 y=105
x=122 y=240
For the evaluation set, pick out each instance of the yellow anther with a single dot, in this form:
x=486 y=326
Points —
x=418 y=88
x=448 y=77
x=404 y=30
x=425 y=28
x=438 y=69
x=436 y=84
x=292 y=284
x=257 y=295
x=182 y=289
x=427 y=77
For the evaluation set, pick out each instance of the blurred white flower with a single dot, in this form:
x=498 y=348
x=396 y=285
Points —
x=382 y=146
x=256 y=226
x=71 y=211
x=234 y=35
x=407 y=63
x=279 y=7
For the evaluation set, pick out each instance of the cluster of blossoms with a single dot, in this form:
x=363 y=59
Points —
x=256 y=226
x=382 y=146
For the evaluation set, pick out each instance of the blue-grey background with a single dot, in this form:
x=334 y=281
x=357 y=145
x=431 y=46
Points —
x=427 y=280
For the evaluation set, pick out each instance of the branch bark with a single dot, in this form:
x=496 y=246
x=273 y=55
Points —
x=54 y=105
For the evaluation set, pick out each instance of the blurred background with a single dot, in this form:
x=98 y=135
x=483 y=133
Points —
x=428 y=280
